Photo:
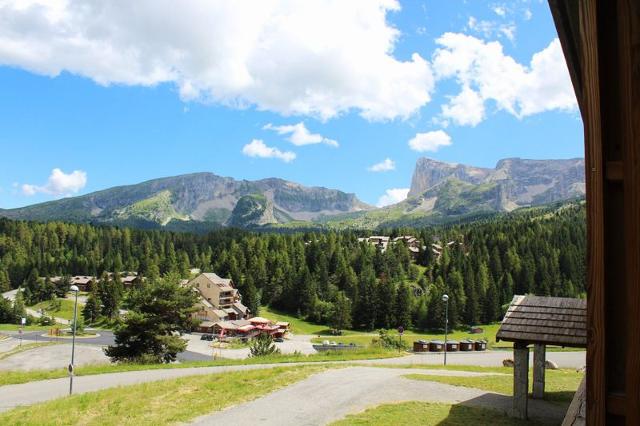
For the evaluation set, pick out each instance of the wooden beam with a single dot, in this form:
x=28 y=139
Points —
x=539 y=360
x=591 y=115
x=629 y=67
x=564 y=13
x=520 y=380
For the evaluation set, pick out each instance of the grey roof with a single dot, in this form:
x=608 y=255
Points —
x=558 y=321
x=220 y=313
x=240 y=308
x=223 y=283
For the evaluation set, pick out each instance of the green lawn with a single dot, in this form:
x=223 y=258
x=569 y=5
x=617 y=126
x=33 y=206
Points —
x=410 y=336
x=16 y=377
x=298 y=326
x=163 y=402
x=16 y=327
x=65 y=311
x=560 y=384
x=423 y=413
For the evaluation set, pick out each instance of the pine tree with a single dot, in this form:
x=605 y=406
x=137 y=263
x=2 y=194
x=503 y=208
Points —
x=403 y=306
x=5 y=283
x=341 y=315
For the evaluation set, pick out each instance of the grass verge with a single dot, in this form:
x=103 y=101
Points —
x=16 y=327
x=412 y=413
x=298 y=326
x=364 y=339
x=560 y=384
x=162 y=402
x=17 y=377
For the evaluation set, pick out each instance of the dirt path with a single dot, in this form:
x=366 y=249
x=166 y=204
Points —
x=331 y=395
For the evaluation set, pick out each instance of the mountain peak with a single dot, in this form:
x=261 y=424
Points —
x=517 y=181
x=202 y=197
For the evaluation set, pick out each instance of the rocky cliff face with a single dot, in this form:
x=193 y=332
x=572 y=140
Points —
x=199 y=197
x=429 y=173
x=514 y=182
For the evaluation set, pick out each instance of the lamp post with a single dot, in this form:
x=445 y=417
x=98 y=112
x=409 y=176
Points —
x=74 y=289
x=445 y=299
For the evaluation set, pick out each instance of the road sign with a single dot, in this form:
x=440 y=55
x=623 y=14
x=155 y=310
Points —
x=23 y=320
x=70 y=368
x=400 y=329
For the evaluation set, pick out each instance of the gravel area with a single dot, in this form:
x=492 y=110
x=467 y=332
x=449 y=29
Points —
x=329 y=396
x=52 y=357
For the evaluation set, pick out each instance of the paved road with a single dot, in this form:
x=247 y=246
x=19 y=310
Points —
x=574 y=359
x=294 y=343
x=105 y=338
x=331 y=395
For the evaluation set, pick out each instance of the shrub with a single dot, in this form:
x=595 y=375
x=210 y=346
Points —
x=386 y=340
x=263 y=346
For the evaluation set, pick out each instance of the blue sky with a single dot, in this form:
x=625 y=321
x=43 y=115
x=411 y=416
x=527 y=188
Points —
x=122 y=96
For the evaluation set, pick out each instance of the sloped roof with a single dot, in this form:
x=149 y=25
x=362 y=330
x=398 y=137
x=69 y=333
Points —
x=558 y=321
x=220 y=313
x=240 y=308
x=216 y=279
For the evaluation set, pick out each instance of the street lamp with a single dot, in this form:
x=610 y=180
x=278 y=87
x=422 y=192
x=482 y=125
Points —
x=445 y=299
x=74 y=289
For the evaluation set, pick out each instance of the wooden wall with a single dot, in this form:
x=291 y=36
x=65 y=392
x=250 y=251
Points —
x=609 y=90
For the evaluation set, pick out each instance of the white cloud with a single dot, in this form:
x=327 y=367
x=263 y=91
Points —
x=430 y=141
x=319 y=58
x=299 y=135
x=465 y=109
x=528 y=14
x=257 y=148
x=500 y=11
x=490 y=29
x=59 y=184
x=521 y=90
x=384 y=166
x=392 y=196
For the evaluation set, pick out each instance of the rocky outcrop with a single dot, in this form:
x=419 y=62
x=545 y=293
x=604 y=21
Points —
x=515 y=182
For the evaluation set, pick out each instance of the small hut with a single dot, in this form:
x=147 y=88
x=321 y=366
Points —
x=452 y=346
x=420 y=346
x=467 y=345
x=436 y=346
x=540 y=321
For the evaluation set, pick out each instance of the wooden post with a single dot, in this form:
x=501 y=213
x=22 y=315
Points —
x=520 y=380
x=539 y=359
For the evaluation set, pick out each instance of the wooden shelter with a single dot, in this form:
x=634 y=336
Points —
x=539 y=321
x=601 y=43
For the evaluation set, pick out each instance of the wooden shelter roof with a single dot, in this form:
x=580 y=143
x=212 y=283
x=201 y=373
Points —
x=558 y=321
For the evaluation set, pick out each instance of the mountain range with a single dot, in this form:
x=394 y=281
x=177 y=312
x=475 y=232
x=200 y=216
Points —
x=439 y=192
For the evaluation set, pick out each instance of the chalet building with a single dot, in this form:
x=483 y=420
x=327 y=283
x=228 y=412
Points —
x=413 y=244
x=83 y=282
x=218 y=300
x=245 y=329
x=382 y=242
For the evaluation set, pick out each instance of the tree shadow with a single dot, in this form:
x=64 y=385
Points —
x=495 y=410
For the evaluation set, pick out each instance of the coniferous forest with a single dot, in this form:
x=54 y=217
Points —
x=326 y=275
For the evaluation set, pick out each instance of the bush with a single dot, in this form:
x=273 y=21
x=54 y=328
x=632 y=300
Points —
x=388 y=341
x=46 y=320
x=262 y=346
